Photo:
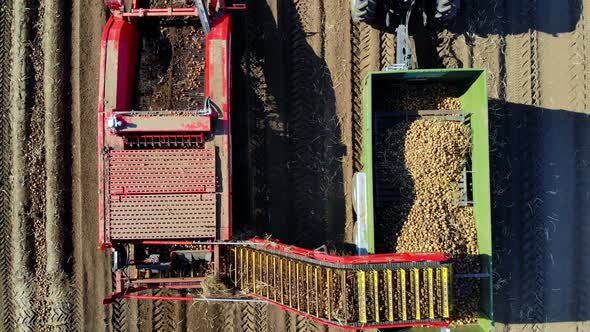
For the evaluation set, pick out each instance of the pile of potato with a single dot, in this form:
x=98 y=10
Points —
x=423 y=159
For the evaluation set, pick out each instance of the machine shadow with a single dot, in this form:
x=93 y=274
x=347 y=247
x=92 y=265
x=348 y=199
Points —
x=288 y=176
x=540 y=183
x=483 y=18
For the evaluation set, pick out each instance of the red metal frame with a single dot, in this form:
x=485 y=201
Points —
x=351 y=328
x=352 y=260
x=116 y=89
x=117 y=8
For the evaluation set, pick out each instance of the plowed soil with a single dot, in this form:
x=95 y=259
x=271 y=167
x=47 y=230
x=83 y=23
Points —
x=299 y=69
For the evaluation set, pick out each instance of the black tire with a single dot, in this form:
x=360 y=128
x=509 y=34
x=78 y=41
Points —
x=375 y=15
x=447 y=10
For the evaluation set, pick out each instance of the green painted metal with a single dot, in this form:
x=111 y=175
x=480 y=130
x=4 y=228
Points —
x=472 y=83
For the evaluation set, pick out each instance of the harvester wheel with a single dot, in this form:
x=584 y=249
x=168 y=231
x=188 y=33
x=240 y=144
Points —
x=447 y=9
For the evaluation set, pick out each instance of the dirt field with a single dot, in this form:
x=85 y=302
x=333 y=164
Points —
x=299 y=66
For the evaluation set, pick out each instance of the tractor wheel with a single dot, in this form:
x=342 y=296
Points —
x=371 y=12
x=447 y=9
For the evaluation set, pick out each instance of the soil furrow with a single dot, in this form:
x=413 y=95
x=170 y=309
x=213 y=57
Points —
x=5 y=164
x=35 y=159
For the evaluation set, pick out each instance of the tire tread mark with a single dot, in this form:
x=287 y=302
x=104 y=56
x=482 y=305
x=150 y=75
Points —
x=579 y=86
x=302 y=75
x=445 y=49
x=119 y=313
x=534 y=232
x=248 y=323
x=163 y=316
x=578 y=61
x=6 y=315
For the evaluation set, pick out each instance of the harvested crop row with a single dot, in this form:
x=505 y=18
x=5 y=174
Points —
x=423 y=159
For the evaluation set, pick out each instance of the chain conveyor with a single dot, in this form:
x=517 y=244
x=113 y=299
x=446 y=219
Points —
x=355 y=291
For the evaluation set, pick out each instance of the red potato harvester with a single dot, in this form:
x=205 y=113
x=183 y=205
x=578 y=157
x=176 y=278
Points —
x=165 y=201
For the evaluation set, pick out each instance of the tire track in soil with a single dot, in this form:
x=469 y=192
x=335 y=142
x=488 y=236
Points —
x=308 y=129
x=248 y=322
x=578 y=59
x=56 y=68
x=259 y=105
x=534 y=239
x=229 y=318
x=579 y=102
x=445 y=48
x=252 y=66
x=518 y=229
x=164 y=313
x=371 y=50
x=119 y=313
x=6 y=319
x=23 y=77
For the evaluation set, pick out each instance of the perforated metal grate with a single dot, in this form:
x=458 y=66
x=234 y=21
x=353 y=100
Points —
x=162 y=171
x=161 y=194
x=134 y=217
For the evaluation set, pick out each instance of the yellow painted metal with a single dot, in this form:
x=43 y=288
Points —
x=361 y=296
x=242 y=268
x=430 y=279
x=298 y=290
x=235 y=253
x=281 y=281
x=416 y=278
x=402 y=279
x=376 y=293
x=344 y=294
x=289 y=264
x=267 y=279
x=389 y=283
x=307 y=288
x=247 y=270
x=374 y=296
x=445 y=291
x=328 y=290
x=274 y=277
x=254 y=272
x=317 y=300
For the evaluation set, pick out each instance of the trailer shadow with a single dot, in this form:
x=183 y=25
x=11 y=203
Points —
x=540 y=176
x=284 y=105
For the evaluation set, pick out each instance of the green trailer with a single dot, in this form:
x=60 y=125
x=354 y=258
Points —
x=471 y=84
